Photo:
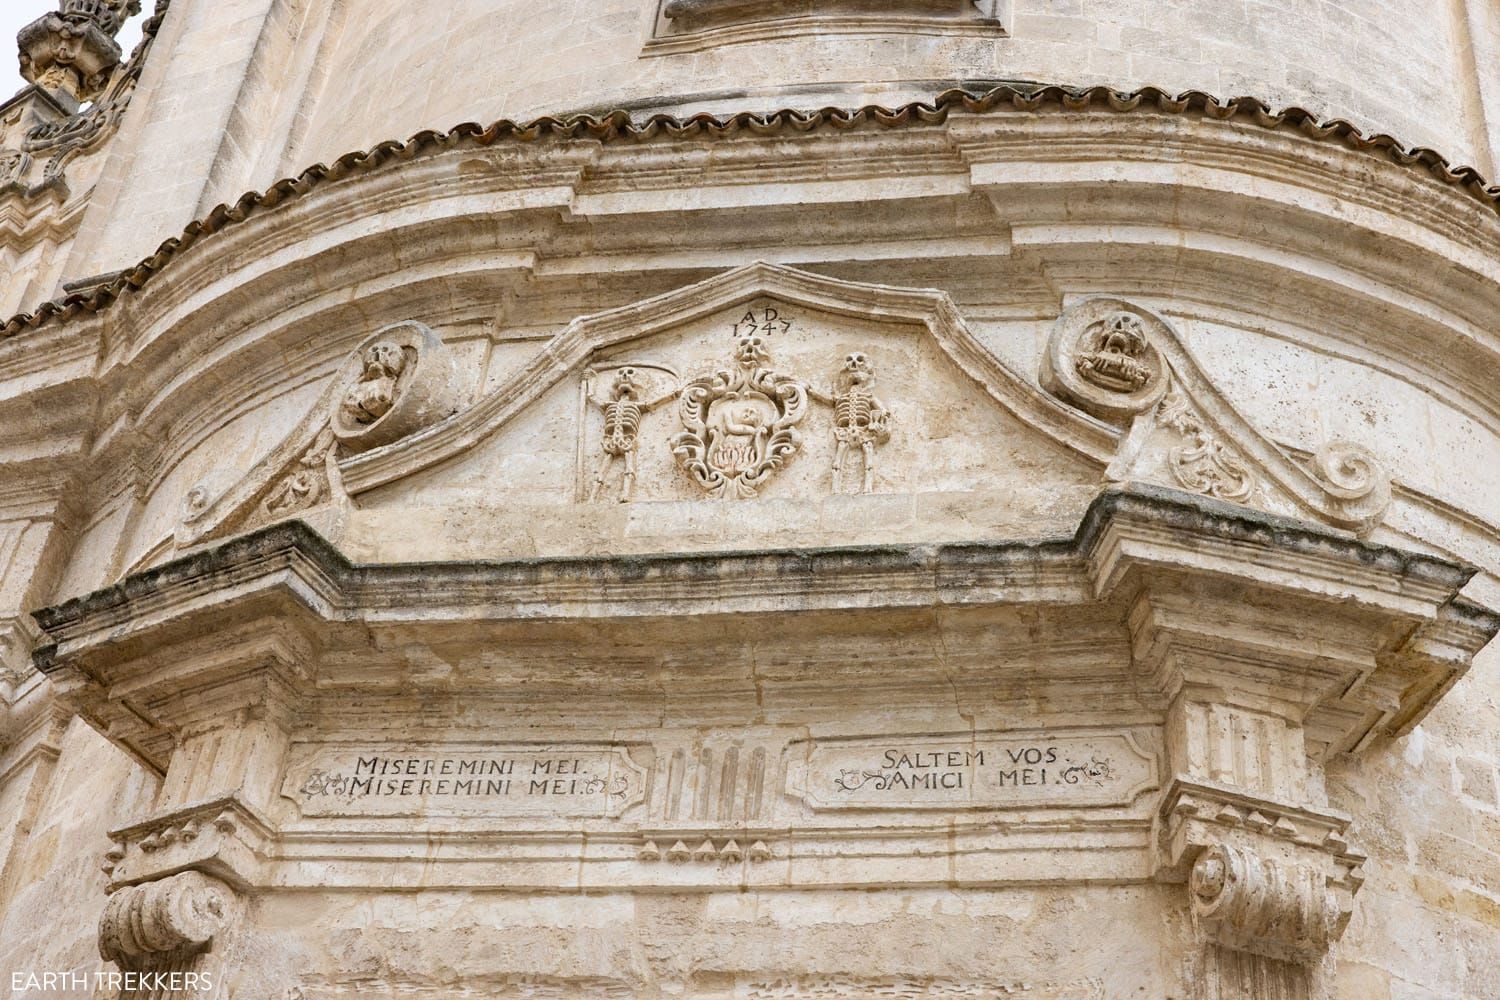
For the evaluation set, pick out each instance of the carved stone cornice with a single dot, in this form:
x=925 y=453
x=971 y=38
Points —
x=1141 y=546
x=967 y=110
x=1196 y=814
x=224 y=836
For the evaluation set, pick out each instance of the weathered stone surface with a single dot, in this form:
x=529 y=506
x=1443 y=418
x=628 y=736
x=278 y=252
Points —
x=1029 y=542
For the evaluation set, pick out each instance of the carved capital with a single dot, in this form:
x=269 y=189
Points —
x=160 y=921
x=223 y=836
x=73 y=51
x=1271 y=907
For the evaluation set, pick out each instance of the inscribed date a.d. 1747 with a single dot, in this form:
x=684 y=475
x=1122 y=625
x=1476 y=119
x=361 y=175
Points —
x=971 y=771
x=574 y=780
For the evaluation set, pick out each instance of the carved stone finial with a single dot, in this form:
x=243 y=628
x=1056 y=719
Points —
x=174 y=916
x=1250 y=903
x=73 y=51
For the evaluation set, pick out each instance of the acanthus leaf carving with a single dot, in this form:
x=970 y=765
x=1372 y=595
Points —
x=313 y=479
x=1204 y=464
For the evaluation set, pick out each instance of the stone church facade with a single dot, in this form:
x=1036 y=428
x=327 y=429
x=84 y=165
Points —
x=804 y=499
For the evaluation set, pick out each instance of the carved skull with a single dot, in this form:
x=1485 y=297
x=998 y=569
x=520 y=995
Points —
x=857 y=369
x=751 y=349
x=1122 y=334
x=374 y=394
x=626 y=386
x=383 y=360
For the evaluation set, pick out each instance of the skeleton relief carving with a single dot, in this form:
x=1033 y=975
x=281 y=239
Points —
x=622 y=410
x=740 y=423
x=860 y=421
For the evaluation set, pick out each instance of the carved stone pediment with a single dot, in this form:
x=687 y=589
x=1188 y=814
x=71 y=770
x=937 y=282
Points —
x=760 y=383
x=774 y=393
x=1125 y=364
x=397 y=381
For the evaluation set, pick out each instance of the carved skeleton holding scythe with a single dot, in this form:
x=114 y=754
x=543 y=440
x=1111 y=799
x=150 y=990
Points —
x=860 y=420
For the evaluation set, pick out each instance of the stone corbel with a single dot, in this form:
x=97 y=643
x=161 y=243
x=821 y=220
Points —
x=170 y=937
x=1266 y=877
x=163 y=923
x=1269 y=906
x=1274 y=645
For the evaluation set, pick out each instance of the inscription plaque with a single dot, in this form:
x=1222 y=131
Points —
x=971 y=771
x=577 y=780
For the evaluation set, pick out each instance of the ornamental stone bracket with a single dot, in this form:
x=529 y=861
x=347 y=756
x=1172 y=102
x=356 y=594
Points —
x=171 y=933
x=1258 y=697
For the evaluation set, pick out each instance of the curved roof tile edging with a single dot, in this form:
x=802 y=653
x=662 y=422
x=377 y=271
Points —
x=619 y=125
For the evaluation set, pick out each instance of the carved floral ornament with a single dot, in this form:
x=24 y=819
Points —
x=1125 y=365
x=400 y=380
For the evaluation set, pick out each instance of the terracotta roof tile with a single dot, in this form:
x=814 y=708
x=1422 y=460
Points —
x=621 y=126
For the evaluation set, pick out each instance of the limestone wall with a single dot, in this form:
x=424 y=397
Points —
x=264 y=92
x=1187 y=454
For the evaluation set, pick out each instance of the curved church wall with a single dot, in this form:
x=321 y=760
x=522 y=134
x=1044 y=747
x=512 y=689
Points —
x=1046 y=551
x=1384 y=64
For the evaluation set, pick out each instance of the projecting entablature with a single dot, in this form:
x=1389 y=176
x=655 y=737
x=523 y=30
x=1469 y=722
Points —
x=1147 y=700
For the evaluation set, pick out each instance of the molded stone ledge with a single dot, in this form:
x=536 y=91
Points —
x=223 y=836
x=144 y=636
